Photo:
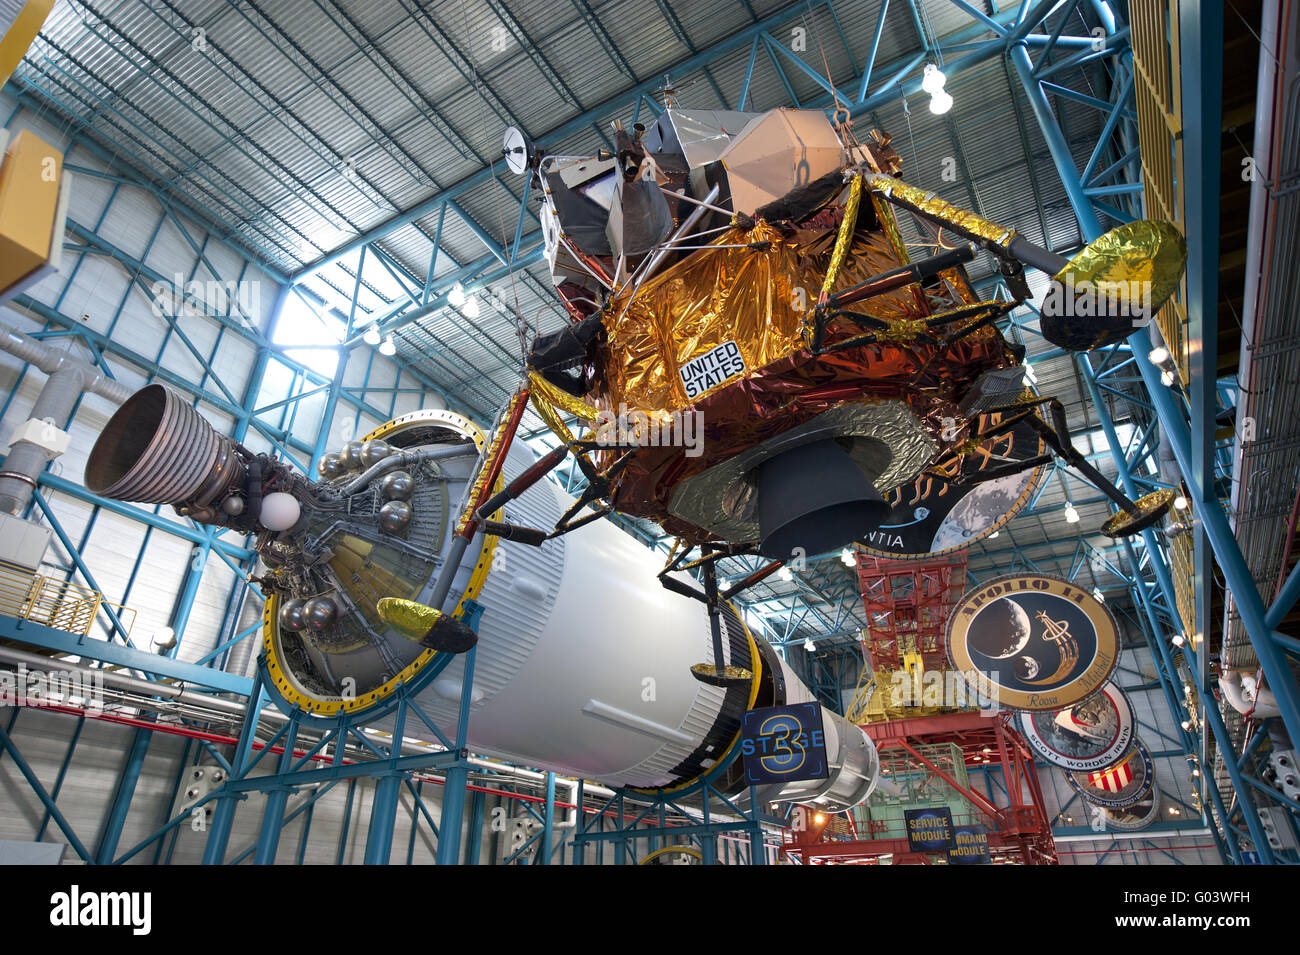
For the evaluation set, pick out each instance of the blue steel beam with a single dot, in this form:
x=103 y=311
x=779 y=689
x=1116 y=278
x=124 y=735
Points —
x=7 y=745
x=1227 y=551
x=1200 y=27
x=63 y=772
x=121 y=804
x=453 y=798
x=38 y=101
x=277 y=797
x=39 y=635
x=1171 y=423
x=227 y=799
x=383 y=810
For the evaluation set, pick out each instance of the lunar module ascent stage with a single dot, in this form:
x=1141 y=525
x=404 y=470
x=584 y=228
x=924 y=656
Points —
x=741 y=270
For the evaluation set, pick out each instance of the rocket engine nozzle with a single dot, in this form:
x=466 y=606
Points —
x=156 y=449
x=816 y=498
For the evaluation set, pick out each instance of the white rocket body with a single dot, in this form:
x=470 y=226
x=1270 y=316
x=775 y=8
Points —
x=583 y=667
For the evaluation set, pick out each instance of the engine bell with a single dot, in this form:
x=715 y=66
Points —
x=814 y=497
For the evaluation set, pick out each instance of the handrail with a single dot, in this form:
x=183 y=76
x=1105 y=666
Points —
x=57 y=604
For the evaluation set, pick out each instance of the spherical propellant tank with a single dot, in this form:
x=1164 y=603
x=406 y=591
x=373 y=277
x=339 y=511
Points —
x=583 y=662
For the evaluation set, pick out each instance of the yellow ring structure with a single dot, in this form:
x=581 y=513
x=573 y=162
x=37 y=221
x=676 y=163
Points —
x=684 y=850
x=279 y=674
x=735 y=740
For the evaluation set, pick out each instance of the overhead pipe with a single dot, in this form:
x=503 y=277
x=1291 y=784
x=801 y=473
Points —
x=69 y=378
x=133 y=685
x=35 y=662
x=1256 y=701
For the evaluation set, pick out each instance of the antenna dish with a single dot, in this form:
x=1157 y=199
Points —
x=519 y=150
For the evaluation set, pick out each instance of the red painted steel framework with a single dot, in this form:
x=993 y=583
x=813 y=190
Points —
x=909 y=598
x=915 y=597
x=1019 y=832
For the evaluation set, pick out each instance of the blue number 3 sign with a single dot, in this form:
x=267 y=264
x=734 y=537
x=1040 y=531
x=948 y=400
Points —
x=784 y=743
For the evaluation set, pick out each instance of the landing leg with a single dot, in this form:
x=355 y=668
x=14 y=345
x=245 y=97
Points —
x=1133 y=516
x=716 y=673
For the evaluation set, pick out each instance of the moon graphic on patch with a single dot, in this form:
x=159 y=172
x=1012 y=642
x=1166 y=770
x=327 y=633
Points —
x=982 y=507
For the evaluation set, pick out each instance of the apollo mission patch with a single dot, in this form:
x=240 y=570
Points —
x=1033 y=642
x=1125 y=784
x=1087 y=736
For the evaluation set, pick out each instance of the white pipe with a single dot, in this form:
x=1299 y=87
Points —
x=68 y=379
x=51 y=361
x=1259 y=703
x=37 y=663
x=571 y=785
x=1130 y=836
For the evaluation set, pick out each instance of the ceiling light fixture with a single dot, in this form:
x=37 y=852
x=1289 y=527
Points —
x=1180 y=502
x=940 y=103
x=932 y=82
x=1071 y=515
x=471 y=309
x=457 y=295
x=1158 y=355
x=933 y=79
x=388 y=347
x=371 y=337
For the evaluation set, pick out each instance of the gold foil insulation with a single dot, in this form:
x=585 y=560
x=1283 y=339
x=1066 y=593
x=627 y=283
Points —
x=845 y=237
x=409 y=618
x=543 y=390
x=752 y=291
x=930 y=205
x=889 y=225
x=756 y=298
x=1143 y=259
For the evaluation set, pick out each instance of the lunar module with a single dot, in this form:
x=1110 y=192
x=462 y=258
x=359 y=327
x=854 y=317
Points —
x=741 y=279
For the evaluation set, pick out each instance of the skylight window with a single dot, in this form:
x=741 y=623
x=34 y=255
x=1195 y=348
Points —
x=300 y=324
